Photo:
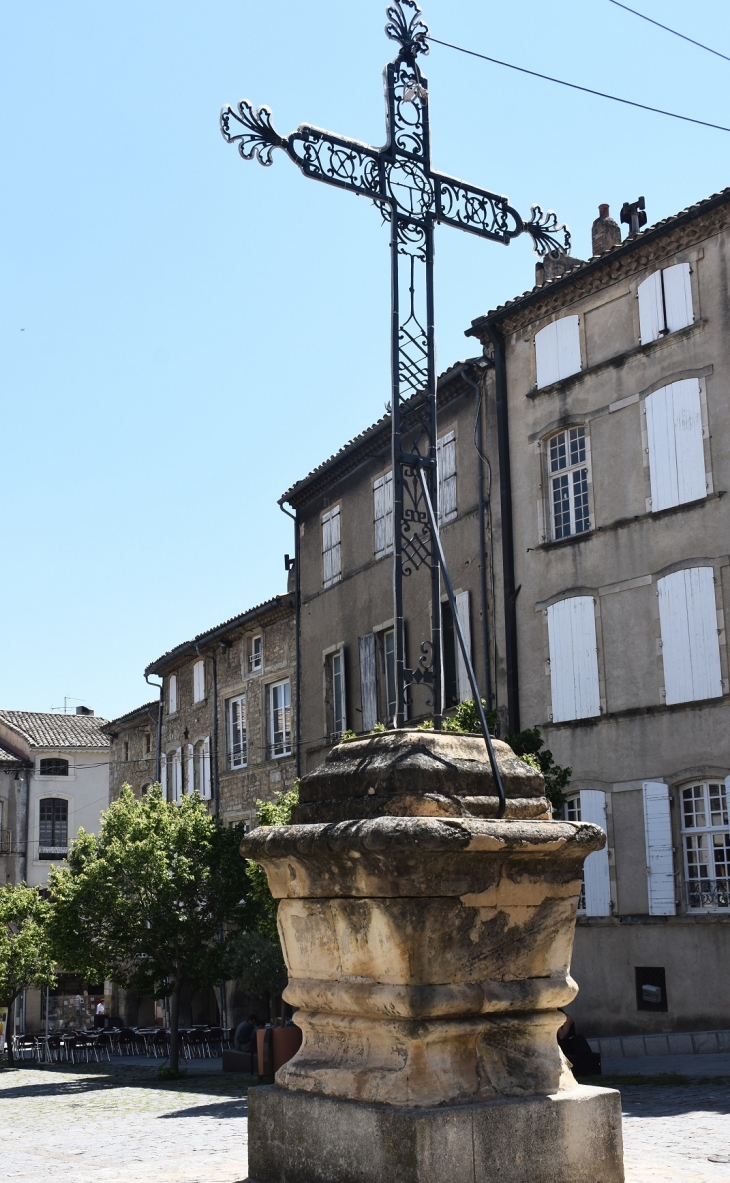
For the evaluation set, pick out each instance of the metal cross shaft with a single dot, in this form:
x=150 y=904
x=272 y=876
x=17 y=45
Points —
x=412 y=197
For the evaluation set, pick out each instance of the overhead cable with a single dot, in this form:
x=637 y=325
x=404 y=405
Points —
x=574 y=86
x=668 y=30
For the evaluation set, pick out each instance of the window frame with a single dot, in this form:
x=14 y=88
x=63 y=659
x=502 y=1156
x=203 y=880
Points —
x=569 y=470
x=572 y=813
x=53 y=851
x=660 y=313
x=238 y=701
x=256 y=655
x=706 y=832
x=43 y=772
x=284 y=745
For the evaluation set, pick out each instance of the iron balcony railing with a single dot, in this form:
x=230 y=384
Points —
x=708 y=893
x=47 y=853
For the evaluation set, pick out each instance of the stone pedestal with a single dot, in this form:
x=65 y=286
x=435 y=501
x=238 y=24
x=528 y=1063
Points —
x=428 y=947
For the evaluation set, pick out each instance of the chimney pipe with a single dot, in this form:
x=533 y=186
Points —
x=605 y=232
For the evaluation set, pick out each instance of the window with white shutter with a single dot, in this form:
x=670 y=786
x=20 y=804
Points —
x=596 y=875
x=199 y=681
x=557 y=350
x=571 y=813
x=690 y=640
x=163 y=775
x=172 y=694
x=446 y=468
x=206 y=794
x=190 y=769
x=665 y=302
x=463 y=685
x=706 y=845
x=237 y=748
x=383 y=515
x=368 y=681
x=279 y=719
x=676 y=450
x=331 y=552
x=338 y=719
x=659 y=849
x=177 y=776
x=573 y=659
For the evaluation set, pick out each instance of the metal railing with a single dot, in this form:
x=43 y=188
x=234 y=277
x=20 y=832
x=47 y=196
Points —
x=708 y=893
x=6 y=841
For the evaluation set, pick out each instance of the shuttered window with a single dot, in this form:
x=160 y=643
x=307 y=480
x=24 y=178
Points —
x=596 y=875
x=206 y=793
x=676 y=451
x=573 y=659
x=199 y=681
x=331 y=553
x=172 y=694
x=665 y=302
x=557 y=350
x=163 y=775
x=463 y=685
x=279 y=719
x=659 y=849
x=175 y=763
x=690 y=641
x=383 y=515
x=190 y=769
x=368 y=681
x=389 y=663
x=337 y=693
x=237 y=732
x=567 y=461
x=706 y=845
x=446 y=464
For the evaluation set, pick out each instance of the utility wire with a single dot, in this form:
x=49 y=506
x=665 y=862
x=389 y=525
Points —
x=574 y=86
x=668 y=30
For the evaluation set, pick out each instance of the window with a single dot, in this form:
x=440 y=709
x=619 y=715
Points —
x=368 y=681
x=568 y=483
x=706 y=845
x=126 y=751
x=174 y=774
x=190 y=769
x=571 y=813
x=456 y=685
x=557 y=350
x=53 y=829
x=573 y=659
x=665 y=302
x=279 y=719
x=659 y=849
x=383 y=515
x=595 y=893
x=331 y=552
x=256 y=656
x=172 y=694
x=199 y=681
x=337 y=709
x=202 y=768
x=651 y=987
x=237 y=732
x=391 y=703
x=676 y=450
x=690 y=641
x=147 y=743
x=53 y=767
x=446 y=466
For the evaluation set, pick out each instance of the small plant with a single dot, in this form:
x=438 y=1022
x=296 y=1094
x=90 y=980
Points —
x=378 y=728
x=348 y=735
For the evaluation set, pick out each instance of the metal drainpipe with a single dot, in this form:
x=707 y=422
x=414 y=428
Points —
x=508 y=550
x=158 y=759
x=297 y=644
x=482 y=538
x=27 y=772
x=214 y=752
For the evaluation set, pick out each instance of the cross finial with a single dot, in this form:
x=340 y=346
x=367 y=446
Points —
x=409 y=31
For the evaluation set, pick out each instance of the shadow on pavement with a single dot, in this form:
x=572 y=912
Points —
x=107 y=1077
x=236 y=1107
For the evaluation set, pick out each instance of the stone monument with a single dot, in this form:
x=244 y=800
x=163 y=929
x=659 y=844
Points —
x=428 y=946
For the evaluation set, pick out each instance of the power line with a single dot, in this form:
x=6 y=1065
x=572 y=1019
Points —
x=574 y=86
x=668 y=30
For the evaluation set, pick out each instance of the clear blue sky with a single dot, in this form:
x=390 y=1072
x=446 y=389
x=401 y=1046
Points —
x=184 y=334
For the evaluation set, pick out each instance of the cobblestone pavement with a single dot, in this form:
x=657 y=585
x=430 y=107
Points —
x=118 y=1124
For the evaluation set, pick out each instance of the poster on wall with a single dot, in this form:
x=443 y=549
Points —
x=3 y=1027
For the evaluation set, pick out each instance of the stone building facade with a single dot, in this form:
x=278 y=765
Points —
x=133 y=749
x=587 y=537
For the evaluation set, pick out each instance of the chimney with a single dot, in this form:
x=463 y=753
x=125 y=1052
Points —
x=84 y=711
x=605 y=233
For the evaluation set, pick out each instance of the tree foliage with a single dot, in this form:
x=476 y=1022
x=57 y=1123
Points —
x=26 y=958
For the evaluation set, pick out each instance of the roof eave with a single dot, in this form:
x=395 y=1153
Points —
x=163 y=663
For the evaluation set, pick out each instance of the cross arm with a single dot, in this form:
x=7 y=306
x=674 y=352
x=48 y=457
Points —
x=490 y=216
x=348 y=164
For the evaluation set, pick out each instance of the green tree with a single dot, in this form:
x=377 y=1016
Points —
x=154 y=901
x=26 y=958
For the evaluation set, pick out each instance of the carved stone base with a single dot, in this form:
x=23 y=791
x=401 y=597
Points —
x=569 y=1137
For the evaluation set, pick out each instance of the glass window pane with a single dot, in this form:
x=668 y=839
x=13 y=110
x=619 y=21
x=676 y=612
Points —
x=561 y=506
x=558 y=457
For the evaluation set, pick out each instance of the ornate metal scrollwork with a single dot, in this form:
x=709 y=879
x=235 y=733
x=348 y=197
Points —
x=410 y=32
x=476 y=210
x=415 y=532
x=544 y=230
x=259 y=137
x=340 y=162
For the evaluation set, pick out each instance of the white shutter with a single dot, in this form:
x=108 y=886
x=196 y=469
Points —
x=199 y=681
x=676 y=451
x=206 y=768
x=659 y=852
x=546 y=355
x=596 y=873
x=379 y=516
x=651 y=308
x=568 y=336
x=573 y=659
x=368 y=683
x=190 y=768
x=677 y=296
x=388 y=503
x=163 y=774
x=177 y=775
x=690 y=643
x=172 y=694
x=463 y=685
x=446 y=469
x=327 y=549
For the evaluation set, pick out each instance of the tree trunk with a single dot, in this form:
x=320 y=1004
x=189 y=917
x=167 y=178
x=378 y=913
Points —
x=174 y=1025
x=9 y=1033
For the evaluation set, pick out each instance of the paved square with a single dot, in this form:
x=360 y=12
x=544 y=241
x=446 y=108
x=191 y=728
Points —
x=116 y=1123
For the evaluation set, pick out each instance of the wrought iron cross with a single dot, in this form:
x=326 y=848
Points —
x=412 y=197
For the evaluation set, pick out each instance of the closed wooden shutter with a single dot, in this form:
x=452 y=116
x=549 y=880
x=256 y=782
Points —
x=368 y=681
x=331 y=557
x=676 y=451
x=557 y=350
x=677 y=296
x=596 y=872
x=659 y=849
x=343 y=688
x=446 y=467
x=163 y=774
x=172 y=694
x=690 y=642
x=199 y=681
x=177 y=775
x=651 y=308
x=190 y=771
x=206 y=768
x=463 y=685
x=573 y=659
x=383 y=514
x=388 y=506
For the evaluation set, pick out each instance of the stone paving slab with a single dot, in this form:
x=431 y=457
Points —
x=118 y=1124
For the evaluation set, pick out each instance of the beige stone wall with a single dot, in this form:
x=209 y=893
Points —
x=130 y=761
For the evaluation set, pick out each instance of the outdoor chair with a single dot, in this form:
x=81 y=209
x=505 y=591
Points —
x=103 y=1044
x=215 y=1041
x=160 y=1044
